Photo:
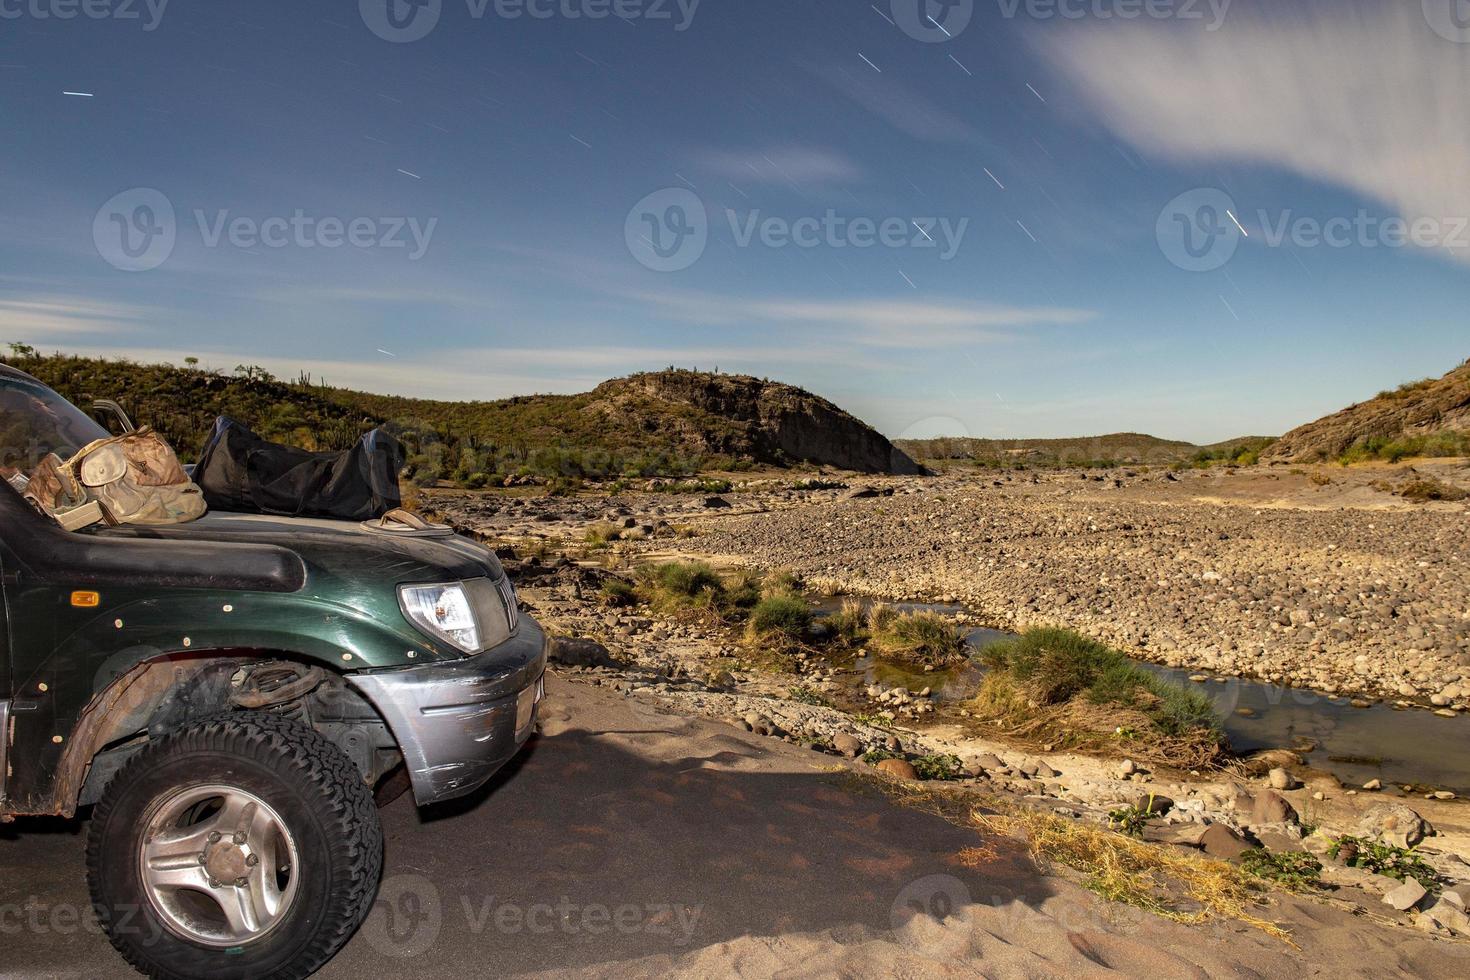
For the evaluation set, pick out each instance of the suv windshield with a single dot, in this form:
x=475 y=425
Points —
x=34 y=421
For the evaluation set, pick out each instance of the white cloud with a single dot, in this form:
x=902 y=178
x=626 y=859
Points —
x=36 y=320
x=1367 y=98
x=873 y=323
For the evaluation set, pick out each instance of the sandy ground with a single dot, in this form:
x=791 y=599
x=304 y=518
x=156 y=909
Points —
x=630 y=842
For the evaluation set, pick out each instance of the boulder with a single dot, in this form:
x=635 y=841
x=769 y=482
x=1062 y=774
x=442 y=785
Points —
x=1219 y=841
x=1272 y=807
x=1393 y=823
x=847 y=745
x=1405 y=896
x=898 y=768
x=580 y=652
x=1281 y=779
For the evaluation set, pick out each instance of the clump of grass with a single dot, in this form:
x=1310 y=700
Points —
x=1425 y=489
x=924 y=638
x=939 y=767
x=1057 y=681
x=1174 y=885
x=934 y=767
x=689 y=579
x=617 y=593
x=744 y=590
x=704 y=485
x=1384 y=859
x=848 y=626
x=816 y=484
x=1295 y=871
x=802 y=694
x=681 y=587
x=601 y=535
x=782 y=616
x=778 y=583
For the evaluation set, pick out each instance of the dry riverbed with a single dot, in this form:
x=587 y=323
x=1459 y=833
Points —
x=1314 y=578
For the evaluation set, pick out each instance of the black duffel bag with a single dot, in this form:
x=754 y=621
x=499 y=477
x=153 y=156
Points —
x=239 y=471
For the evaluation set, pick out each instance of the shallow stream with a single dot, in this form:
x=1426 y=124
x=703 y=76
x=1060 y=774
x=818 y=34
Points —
x=1398 y=746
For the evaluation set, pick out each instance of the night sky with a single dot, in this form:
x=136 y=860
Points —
x=977 y=217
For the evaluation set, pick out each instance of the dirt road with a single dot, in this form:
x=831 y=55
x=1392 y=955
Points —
x=630 y=843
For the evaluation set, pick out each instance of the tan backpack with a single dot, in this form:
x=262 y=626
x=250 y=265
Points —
x=133 y=478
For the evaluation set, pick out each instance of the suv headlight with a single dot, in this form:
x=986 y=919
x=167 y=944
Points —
x=471 y=616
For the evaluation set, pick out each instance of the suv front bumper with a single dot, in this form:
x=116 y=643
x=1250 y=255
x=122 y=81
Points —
x=458 y=723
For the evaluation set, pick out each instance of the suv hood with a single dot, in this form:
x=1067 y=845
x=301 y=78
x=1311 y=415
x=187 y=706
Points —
x=340 y=550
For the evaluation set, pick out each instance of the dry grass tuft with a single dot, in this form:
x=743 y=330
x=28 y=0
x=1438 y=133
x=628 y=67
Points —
x=1181 y=887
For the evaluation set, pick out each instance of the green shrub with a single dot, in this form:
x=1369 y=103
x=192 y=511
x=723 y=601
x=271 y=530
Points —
x=784 y=614
x=688 y=579
x=848 y=626
x=1055 y=666
x=601 y=535
x=744 y=590
x=779 y=583
x=941 y=767
x=615 y=592
x=802 y=694
x=1384 y=859
x=1294 y=870
x=917 y=637
x=1130 y=820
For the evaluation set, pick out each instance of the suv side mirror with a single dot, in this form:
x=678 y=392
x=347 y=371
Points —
x=110 y=415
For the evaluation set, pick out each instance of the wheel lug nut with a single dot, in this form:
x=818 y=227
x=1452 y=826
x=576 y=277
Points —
x=214 y=838
x=241 y=882
x=204 y=859
x=252 y=860
x=240 y=838
x=213 y=883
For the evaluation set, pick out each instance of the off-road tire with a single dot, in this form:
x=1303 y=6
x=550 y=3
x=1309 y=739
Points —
x=308 y=781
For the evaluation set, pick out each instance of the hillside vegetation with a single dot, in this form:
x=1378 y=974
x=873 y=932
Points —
x=1421 y=418
x=667 y=423
x=1121 y=448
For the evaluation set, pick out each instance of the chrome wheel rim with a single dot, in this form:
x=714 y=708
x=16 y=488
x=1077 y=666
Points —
x=218 y=865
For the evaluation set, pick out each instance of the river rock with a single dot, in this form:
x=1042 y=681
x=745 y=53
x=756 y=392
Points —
x=898 y=768
x=1393 y=823
x=1281 y=779
x=579 y=652
x=1271 y=807
x=1405 y=896
x=1219 y=841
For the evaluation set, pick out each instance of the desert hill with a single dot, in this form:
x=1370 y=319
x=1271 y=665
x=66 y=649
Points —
x=1421 y=418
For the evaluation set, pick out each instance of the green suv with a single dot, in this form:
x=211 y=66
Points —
x=226 y=694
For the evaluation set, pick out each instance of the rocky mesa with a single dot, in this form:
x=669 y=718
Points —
x=750 y=418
